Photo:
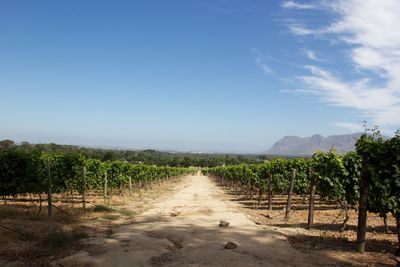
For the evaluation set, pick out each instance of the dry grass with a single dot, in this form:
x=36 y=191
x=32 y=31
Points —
x=34 y=239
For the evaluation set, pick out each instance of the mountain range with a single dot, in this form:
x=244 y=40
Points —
x=295 y=145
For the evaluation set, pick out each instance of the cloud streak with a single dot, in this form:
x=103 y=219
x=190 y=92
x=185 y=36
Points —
x=369 y=28
x=350 y=126
x=311 y=55
x=297 y=5
x=261 y=62
x=382 y=105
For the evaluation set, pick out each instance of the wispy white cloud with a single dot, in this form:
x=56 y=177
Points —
x=297 y=5
x=261 y=61
x=350 y=126
x=266 y=69
x=310 y=54
x=370 y=29
x=381 y=104
x=298 y=29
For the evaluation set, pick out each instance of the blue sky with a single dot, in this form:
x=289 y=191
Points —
x=222 y=75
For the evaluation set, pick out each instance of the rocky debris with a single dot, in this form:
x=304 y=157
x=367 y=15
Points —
x=223 y=223
x=230 y=245
x=258 y=223
x=174 y=214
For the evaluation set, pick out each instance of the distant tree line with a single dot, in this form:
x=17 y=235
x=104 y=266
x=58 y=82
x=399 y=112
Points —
x=149 y=157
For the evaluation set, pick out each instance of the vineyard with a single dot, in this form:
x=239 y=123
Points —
x=31 y=172
x=367 y=180
x=78 y=193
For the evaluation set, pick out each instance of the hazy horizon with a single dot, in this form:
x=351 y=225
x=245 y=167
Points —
x=209 y=76
x=90 y=144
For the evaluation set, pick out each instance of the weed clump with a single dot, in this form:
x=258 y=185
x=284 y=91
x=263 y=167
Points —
x=60 y=239
x=102 y=208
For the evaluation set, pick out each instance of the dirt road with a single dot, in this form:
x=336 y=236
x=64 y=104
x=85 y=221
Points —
x=183 y=231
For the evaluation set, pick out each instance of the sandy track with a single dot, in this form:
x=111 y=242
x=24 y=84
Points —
x=192 y=238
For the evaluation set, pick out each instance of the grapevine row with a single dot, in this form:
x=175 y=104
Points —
x=33 y=172
x=367 y=179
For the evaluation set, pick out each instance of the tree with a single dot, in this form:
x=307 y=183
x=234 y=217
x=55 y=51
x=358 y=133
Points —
x=6 y=144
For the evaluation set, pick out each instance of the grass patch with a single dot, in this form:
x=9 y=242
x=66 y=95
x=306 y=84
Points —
x=112 y=217
x=38 y=217
x=11 y=212
x=29 y=236
x=67 y=218
x=102 y=208
x=59 y=240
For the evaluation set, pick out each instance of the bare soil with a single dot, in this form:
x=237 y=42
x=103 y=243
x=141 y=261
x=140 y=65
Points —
x=179 y=225
x=183 y=230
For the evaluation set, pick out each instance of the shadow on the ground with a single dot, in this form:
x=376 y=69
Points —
x=339 y=244
x=310 y=243
x=278 y=202
x=204 y=245
x=335 y=227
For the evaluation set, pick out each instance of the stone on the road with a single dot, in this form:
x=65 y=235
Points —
x=223 y=223
x=230 y=245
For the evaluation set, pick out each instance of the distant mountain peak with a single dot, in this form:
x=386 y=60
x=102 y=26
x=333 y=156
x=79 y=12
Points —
x=295 y=145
